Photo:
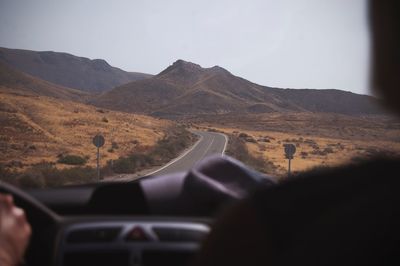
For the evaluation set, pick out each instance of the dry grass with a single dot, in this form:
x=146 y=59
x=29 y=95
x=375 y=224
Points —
x=333 y=142
x=35 y=129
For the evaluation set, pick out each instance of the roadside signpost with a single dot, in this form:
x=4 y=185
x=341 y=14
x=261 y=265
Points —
x=98 y=141
x=290 y=150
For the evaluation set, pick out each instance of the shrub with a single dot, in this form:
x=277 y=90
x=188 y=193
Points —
x=243 y=135
x=45 y=174
x=141 y=160
x=7 y=175
x=167 y=148
x=328 y=150
x=31 y=180
x=171 y=145
x=32 y=147
x=15 y=164
x=114 y=145
x=132 y=163
x=237 y=149
x=303 y=154
x=123 y=165
x=250 y=139
x=340 y=146
x=315 y=146
x=77 y=175
x=104 y=119
x=72 y=160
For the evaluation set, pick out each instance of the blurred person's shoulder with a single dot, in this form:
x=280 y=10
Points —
x=345 y=215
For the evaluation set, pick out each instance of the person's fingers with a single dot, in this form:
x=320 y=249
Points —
x=2 y=198
x=6 y=201
x=28 y=230
x=22 y=222
x=15 y=230
x=19 y=215
x=4 y=207
x=10 y=200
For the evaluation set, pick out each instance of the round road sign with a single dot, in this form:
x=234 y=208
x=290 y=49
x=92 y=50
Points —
x=290 y=150
x=98 y=141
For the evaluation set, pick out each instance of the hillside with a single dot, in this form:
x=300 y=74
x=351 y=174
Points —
x=185 y=89
x=16 y=82
x=36 y=129
x=68 y=70
x=321 y=140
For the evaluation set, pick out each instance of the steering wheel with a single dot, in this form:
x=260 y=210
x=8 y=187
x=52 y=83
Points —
x=44 y=223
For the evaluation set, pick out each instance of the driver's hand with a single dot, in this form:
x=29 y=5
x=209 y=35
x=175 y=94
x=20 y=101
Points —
x=15 y=232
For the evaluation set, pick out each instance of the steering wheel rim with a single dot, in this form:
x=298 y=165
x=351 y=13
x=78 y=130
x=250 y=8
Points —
x=44 y=223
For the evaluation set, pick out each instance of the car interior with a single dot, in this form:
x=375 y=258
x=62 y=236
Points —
x=168 y=219
x=153 y=221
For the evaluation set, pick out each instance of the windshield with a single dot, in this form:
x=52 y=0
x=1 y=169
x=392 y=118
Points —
x=94 y=91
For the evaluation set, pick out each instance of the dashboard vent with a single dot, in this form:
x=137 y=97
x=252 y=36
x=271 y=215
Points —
x=168 y=234
x=93 y=235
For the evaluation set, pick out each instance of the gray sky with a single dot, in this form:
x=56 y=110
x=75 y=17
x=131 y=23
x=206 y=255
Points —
x=282 y=43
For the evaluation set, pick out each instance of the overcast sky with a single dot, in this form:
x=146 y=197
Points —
x=281 y=43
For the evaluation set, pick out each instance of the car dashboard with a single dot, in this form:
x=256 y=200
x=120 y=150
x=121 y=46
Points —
x=109 y=224
x=129 y=241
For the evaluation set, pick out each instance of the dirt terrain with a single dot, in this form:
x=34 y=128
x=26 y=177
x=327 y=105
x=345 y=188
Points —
x=38 y=128
x=321 y=139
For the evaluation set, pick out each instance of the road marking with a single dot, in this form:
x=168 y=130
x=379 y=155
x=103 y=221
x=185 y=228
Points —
x=188 y=151
x=226 y=143
x=208 y=147
x=176 y=159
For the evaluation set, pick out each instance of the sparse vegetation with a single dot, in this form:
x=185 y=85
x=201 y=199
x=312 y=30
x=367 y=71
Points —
x=247 y=138
x=45 y=174
x=167 y=148
x=312 y=149
x=237 y=149
x=15 y=164
x=114 y=145
x=132 y=163
x=72 y=160
x=32 y=147
x=303 y=154
x=70 y=131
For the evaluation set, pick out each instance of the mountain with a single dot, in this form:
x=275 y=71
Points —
x=185 y=89
x=15 y=82
x=69 y=70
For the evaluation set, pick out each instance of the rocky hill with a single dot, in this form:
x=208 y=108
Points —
x=15 y=82
x=68 y=70
x=187 y=89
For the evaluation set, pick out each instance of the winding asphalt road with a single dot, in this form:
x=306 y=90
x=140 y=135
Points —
x=209 y=143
